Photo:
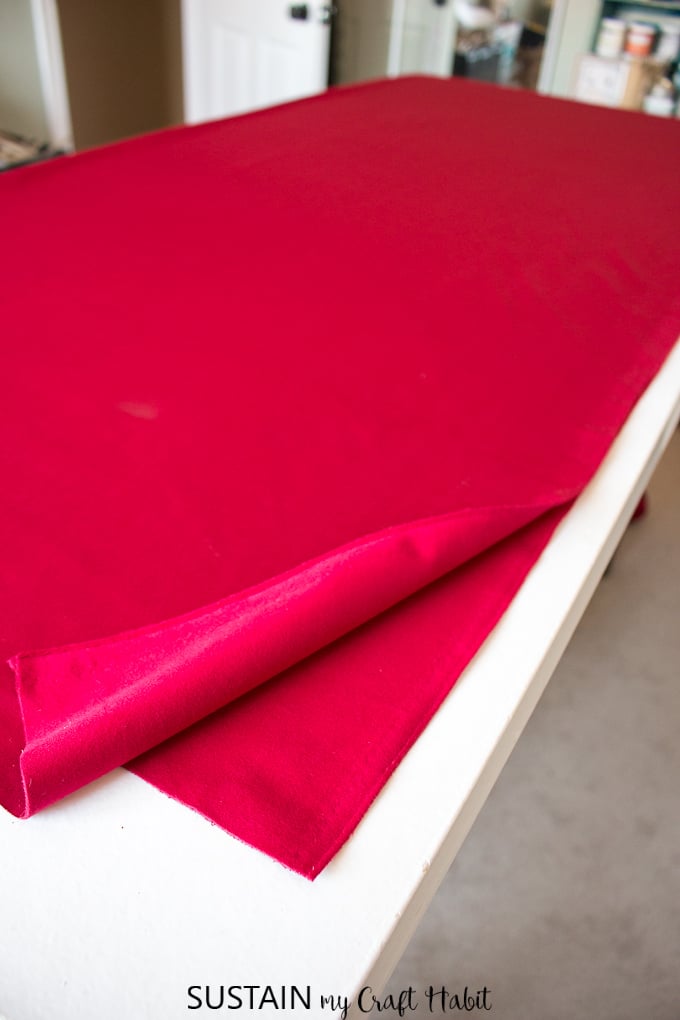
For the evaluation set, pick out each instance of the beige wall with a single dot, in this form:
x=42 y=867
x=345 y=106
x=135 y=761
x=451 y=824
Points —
x=21 y=101
x=576 y=36
x=122 y=66
x=536 y=11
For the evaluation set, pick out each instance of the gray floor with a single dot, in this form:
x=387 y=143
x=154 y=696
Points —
x=565 y=900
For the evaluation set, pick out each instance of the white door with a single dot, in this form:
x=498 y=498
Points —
x=241 y=55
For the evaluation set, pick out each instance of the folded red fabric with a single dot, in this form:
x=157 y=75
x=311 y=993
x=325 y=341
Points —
x=292 y=402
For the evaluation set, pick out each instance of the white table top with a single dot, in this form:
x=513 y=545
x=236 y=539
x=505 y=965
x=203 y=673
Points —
x=114 y=902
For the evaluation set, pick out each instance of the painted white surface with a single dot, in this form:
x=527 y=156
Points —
x=52 y=73
x=428 y=38
x=397 y=21
x=242 y=56
x=570 y=33
x=22 y=107
x=116 y=900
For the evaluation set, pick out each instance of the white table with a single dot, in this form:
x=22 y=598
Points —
x=116 y=901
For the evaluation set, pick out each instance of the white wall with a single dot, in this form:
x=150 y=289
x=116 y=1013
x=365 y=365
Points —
x=21 y=102
x=570 y=33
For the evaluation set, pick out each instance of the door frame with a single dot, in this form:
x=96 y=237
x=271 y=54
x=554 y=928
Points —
x=50 y=55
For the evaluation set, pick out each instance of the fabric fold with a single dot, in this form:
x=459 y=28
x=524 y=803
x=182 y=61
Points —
x=88 y=708
x=266 y=768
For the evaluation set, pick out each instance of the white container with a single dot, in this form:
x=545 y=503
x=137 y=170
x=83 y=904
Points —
x=658 y=106
x=660 y=101
x=668 y=47
x=610 y=37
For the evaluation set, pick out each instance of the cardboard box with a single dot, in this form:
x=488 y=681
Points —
x=614 y=81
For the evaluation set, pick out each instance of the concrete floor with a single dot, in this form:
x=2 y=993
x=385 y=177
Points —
x=565 y=899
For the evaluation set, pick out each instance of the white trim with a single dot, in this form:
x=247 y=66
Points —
x=396 y=38
x=52 y=73
x=552 y=46
x=189 y=101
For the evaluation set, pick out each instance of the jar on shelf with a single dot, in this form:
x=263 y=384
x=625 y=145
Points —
x=660 y=100
x=668 y=47
x=640 y=39
x=610 y=38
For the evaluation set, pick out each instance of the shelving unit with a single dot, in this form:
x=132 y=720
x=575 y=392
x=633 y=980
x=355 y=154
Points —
x=665 y=5
x=573 y=34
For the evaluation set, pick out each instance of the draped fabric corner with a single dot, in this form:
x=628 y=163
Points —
x=86 y=709
x=291 y=407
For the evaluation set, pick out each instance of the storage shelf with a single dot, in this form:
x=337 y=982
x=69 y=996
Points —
x=665 y=5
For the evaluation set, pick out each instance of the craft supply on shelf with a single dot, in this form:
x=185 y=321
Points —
x=660 y=100
x=640 y=39
x=610 y=38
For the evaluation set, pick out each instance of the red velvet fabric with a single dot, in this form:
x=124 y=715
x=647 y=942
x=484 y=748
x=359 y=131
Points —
x=291 y=404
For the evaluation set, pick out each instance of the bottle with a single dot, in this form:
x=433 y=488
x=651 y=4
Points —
x=660 y=100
